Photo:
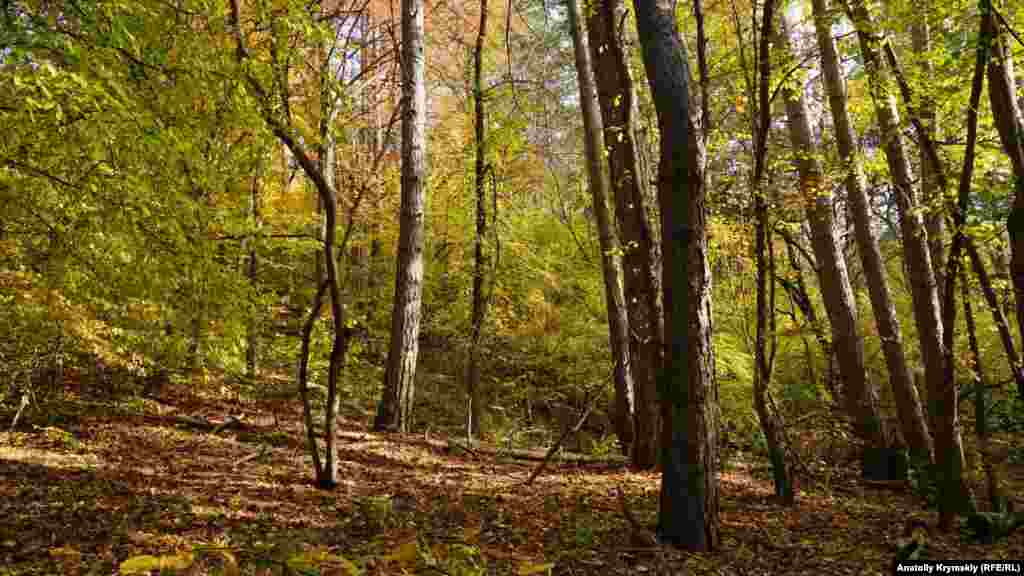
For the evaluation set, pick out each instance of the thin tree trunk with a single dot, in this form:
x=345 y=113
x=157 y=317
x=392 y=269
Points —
x=980 y=401
x=908 y=403
x=797 y=290
x=932 y=194
x=630 y=182
x=395 y=409
x=479 y=259
x=998 y=317
x=326 y=476
x=917 y=255
x=770 y=419
x=859 y=392
x=955 y=495
x=689 y=511
x=611 y=265
x=252 y=335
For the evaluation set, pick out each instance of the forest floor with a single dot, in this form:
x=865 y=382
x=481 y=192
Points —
x=86 y=485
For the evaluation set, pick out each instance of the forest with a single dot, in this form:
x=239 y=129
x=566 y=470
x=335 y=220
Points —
x=470 y=287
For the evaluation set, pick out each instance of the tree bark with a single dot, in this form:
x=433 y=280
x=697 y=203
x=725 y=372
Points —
x=955 y=495
x=913 y=424
x=860 y=394
x=611 y=265
x=1007 y=116
x=280 y=125
x=395 y=409
x=629 y=181
x=479 y=308
x=917 y=255
x=932 y=193
x=689 y=511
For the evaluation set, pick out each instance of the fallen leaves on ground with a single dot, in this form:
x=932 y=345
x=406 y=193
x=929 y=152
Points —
x=97 y=491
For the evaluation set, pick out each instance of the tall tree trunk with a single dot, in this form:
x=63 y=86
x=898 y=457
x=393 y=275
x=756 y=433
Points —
x=913 y=424
x=859 y=392
x=479 y=259
x=611 y=265
x=955 y=495
x=630 y=181
x=395 y=409
x=770 y=418
x=917 y=255
x=688 y=515
x=932 y=193
x=1010 y=125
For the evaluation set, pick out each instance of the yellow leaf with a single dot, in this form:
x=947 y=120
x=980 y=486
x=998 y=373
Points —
x=181 y=561
x=140 y=564
x=528 y=569
x=230 y=563
x=405 y=554
x=65 y=552
x=145 y=563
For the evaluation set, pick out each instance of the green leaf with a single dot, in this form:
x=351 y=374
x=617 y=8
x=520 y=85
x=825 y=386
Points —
x=528 y=569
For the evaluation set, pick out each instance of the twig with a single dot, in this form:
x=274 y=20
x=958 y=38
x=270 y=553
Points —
x=21 y=408
x=554 y=447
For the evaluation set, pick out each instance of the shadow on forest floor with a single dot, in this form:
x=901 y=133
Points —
x=83 y=487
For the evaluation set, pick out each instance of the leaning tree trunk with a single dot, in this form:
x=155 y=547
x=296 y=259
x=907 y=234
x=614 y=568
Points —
x=689 y=513
x=932 y=193
x=479 y=258
x=917 y=255
x=611 y=265
x=630 y=180
x=913 y=424
x=1010 y=125
x=395 y=409
x=955 y=495
x=860 y=395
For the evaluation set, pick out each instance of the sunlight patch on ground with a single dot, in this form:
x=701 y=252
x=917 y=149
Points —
x=48 y=458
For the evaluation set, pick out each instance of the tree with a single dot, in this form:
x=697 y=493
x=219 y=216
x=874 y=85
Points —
x=1010 y=125
x=611 y=263
x=917 y=256
x=859 y=392
x=688 y=514
x=275 y=109
x=395 y=409
x=908 y=403
x=768 y=415
x=630 y=182
x=480 y=173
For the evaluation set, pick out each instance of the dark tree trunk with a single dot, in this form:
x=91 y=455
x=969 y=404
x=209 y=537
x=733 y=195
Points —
x=479 y=258
x=629 y=180
x=611 y=265
x=1010 y=125
x=955 y=495
x=689 y=513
